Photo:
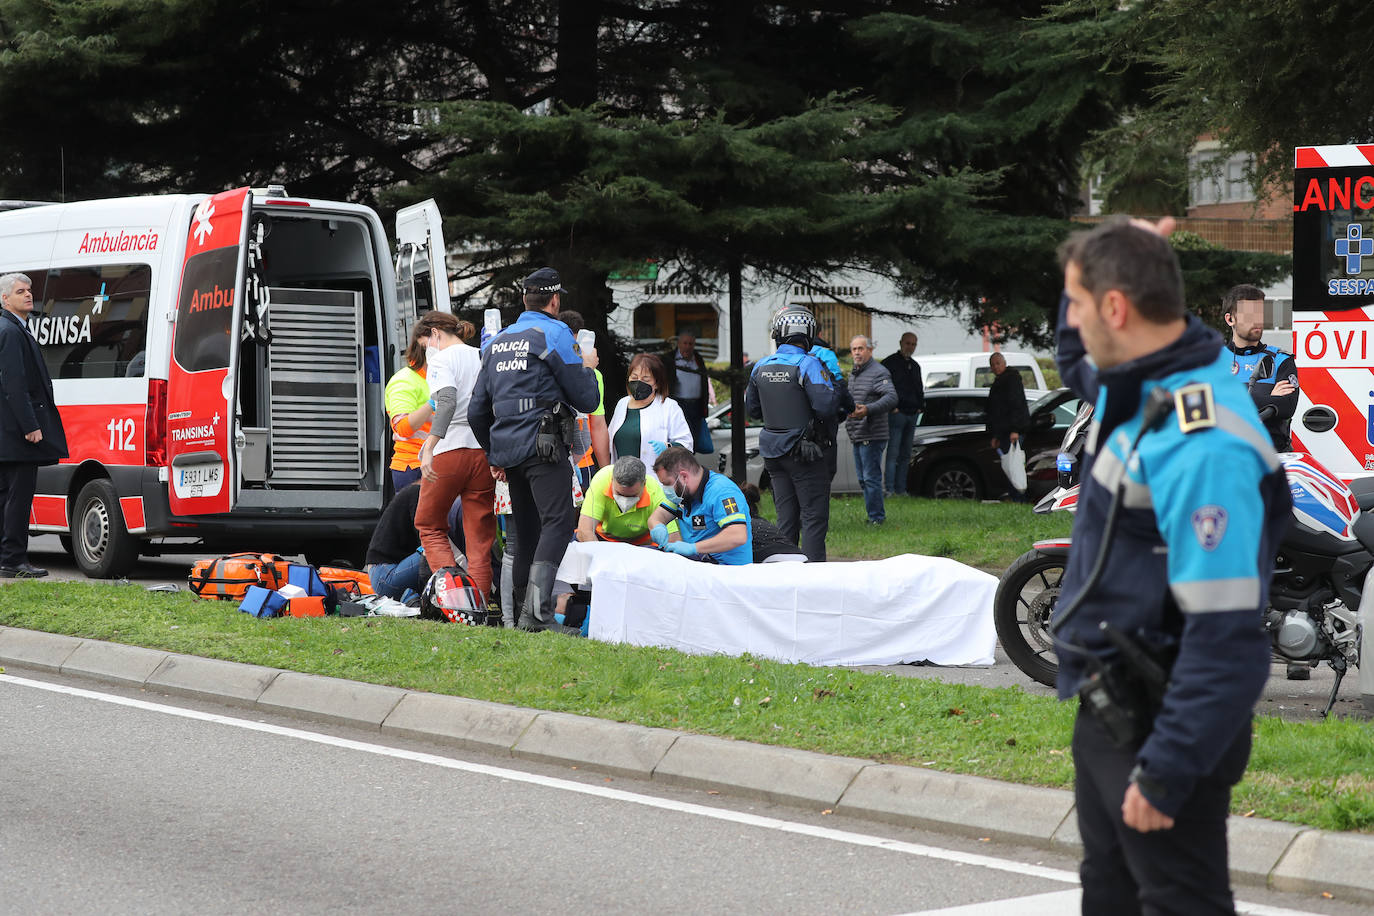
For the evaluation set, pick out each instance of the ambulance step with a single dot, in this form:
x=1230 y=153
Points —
x=316 y=387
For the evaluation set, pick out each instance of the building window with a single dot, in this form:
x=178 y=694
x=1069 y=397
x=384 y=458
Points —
x=838 y=324
x=1214 y=180
x=657 y=323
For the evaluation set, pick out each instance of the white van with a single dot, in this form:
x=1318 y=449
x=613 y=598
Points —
x=219 y=364
x=970 y=370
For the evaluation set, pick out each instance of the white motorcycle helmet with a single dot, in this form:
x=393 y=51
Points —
x=793 y=320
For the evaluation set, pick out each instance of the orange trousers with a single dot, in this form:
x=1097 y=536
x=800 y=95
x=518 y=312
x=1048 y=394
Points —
x=463 y=472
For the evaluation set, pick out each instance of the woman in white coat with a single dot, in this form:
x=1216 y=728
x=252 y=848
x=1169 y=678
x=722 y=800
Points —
x=647 y=420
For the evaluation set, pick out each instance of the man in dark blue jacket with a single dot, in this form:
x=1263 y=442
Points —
x=1268 y=373
x=31 y=431
x=1183 y=577
x=531 y=372
x=792 y=392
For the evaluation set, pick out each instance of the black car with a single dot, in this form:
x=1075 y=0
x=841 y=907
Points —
x=952 y=455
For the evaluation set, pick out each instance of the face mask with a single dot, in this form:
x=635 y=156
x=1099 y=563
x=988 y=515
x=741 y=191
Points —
x=640 y=390
x=681 y=489
x=626 y=503
x=431 y=353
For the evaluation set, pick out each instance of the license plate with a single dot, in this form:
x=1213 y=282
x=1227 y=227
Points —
x=200 y=475
x=198 y=480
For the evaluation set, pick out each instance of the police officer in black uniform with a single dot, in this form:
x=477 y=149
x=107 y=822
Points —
x=794 y=395
x=1158 y=622
x=523 y=411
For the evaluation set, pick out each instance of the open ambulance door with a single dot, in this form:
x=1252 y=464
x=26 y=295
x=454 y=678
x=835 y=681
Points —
x=421 y=270
x=1333 y=306
x=202 y=376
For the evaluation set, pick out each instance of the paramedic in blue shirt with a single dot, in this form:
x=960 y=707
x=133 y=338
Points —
x=794 y=394
x=711 y=512
x=528 y=369
x=1270 y=374
x=1203 y=504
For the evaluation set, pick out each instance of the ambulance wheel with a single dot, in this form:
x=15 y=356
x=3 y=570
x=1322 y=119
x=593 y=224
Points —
x=1021 y=612
x=101 y=545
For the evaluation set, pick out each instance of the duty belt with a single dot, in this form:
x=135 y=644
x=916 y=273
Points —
x=508 y=406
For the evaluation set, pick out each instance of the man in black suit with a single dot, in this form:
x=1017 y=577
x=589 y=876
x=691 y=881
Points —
x=30 y=428
x=688 y=383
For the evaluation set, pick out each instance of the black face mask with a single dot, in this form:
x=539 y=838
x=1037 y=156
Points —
x=640 y=390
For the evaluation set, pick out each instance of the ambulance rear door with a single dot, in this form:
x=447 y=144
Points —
x=1333 y=306
x=202 y=377
x=421 y=270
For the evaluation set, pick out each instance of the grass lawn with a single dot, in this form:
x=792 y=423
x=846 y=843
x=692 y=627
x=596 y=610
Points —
x=986 y=535
x=1317 y=774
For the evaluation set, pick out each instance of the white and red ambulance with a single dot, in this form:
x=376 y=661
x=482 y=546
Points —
x=1333 y=306
x=219 y=363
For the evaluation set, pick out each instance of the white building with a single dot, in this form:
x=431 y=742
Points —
x=653 y=308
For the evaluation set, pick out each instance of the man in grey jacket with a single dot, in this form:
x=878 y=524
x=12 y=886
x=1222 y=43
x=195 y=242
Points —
x=874 y=398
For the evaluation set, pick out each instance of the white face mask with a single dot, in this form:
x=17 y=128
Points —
x=431 y=353
x=626 y=503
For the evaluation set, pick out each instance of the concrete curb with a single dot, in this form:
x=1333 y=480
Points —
x=968 y=805
x=1283 y=856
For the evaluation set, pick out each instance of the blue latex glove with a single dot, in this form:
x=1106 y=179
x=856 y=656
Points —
x=659 y=535
x=681 y=548
x=657 y=446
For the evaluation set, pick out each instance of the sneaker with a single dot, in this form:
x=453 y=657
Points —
x=876 y=521
x=22 y=571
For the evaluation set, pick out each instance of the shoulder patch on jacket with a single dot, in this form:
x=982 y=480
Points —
x=1195 y=408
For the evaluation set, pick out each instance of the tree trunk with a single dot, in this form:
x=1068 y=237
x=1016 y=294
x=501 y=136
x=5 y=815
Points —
x=575 y=86
x=737 y=379
x=578 y=25
x=589 y=295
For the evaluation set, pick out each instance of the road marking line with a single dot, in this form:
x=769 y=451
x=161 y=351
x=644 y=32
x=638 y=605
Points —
x=1057 y=903
x=1052 y=904
x=648 y=801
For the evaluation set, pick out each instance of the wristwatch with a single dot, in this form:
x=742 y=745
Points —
x=1152 y=788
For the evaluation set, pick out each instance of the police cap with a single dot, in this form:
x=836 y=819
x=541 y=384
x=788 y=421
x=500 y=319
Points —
x=543 y=280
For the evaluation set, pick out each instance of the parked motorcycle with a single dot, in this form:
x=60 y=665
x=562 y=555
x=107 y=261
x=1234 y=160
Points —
x=1315 y=596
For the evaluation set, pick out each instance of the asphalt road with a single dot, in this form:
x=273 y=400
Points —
x=123 y=801
x=1296 y=700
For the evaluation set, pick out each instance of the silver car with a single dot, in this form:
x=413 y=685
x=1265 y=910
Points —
x=720 y=421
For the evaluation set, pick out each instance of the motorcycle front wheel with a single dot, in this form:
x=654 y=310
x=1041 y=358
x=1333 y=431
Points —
x=1021 y=613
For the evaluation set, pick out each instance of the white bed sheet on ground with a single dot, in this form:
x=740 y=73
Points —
x=874 y=612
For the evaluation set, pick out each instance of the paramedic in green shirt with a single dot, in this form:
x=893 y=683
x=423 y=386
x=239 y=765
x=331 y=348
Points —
x=618 y=503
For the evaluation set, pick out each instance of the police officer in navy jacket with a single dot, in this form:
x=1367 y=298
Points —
x=528 y=370
x=1184 y=578
x=1269 y=374
x=31 y=431
x=794 y=395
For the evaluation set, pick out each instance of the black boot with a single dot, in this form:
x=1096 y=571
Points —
x=537 y=612
x=510 y=599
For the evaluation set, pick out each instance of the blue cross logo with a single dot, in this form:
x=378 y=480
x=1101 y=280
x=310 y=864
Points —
x=1353 y=247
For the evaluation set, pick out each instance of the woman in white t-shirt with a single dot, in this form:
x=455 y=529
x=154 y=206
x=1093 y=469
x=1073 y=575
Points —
x=647 y=421
x=452 y=463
